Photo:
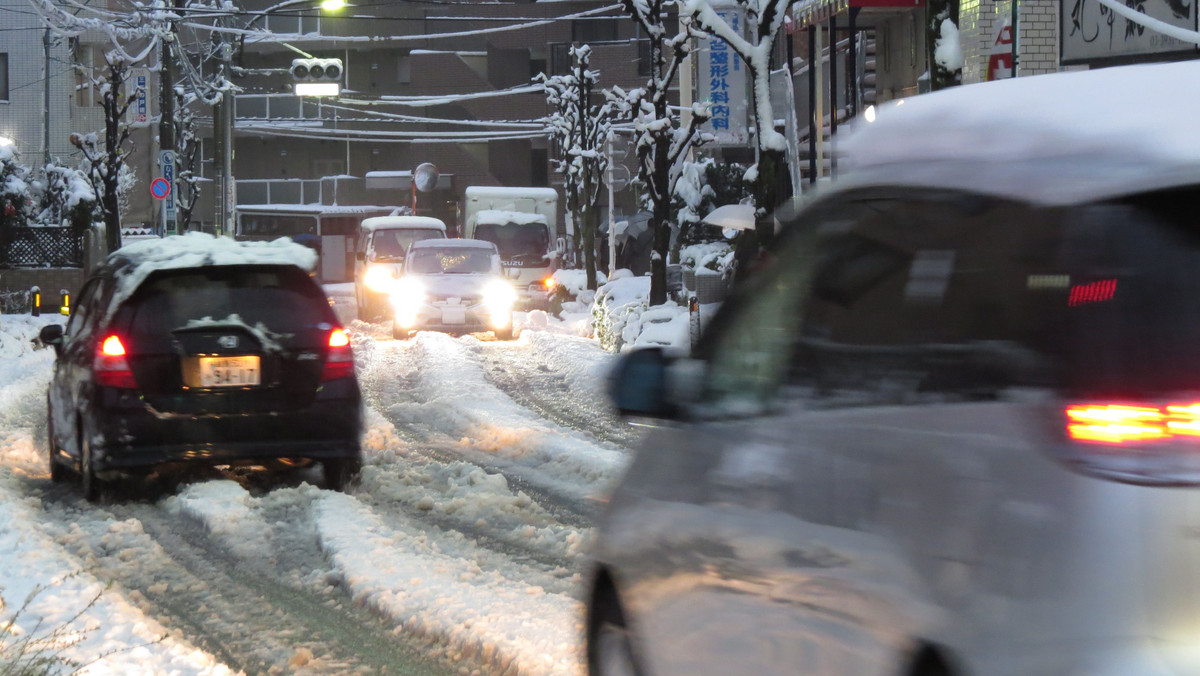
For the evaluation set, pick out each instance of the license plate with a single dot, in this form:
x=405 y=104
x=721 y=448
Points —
x=229 y=371
x=454 y=315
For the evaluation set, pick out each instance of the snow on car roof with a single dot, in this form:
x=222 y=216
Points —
x=500 y=217
x=379 y=222
x=1058 y=138
x=453 y=244
x=486 y=191
x=196 y=249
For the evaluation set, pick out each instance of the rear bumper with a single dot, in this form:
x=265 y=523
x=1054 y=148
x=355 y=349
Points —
x=132 y=439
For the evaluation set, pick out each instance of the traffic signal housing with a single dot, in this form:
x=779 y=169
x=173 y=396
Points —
x=317 y=77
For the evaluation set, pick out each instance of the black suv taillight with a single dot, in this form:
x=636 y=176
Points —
x=340 y=361
x=111 y=365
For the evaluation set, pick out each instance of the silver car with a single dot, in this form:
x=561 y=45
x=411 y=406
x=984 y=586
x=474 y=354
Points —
x=953 y=428
x=453 y=285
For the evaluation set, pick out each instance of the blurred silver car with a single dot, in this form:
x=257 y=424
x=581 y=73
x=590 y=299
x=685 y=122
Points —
x=453 y=285
x=954 y=427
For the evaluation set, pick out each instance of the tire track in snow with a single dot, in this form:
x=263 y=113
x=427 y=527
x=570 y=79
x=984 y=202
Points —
x=561 y=378
x=434 y=391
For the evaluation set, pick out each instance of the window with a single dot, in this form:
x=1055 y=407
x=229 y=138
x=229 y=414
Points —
x=591 y=31
x=404 y=69
x=645 y=66
x=3 y=76
x=560 y=58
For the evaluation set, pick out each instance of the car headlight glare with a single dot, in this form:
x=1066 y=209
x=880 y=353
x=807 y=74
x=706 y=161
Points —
x=378 y=278
x=408 y=295
x=499 y=297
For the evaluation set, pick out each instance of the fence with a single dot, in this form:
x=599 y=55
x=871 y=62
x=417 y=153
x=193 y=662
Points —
x=41 y=247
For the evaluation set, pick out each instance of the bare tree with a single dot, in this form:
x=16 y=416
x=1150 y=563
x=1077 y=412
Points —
x=662 y=142
x=134 y=33
x=764 y=20
x=581 y=130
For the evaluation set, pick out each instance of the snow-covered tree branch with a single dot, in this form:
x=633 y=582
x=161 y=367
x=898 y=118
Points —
x=662 y=144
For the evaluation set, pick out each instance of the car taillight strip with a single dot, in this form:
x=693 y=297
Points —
x=1125 y=423
x=111 y=366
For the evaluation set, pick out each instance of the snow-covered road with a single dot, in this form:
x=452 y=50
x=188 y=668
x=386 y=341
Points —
x=460 y=550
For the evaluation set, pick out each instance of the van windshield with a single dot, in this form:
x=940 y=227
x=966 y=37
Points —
x=519 y=243
x=391 y=244
x=450 y=261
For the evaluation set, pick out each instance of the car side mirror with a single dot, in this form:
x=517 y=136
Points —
x=638 y=385
x=52 y=335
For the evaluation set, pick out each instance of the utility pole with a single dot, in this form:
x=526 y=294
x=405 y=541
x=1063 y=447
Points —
x=46 y=98
x=166 y=125
x=612 y=220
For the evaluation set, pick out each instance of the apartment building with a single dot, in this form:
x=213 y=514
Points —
x=478 y=132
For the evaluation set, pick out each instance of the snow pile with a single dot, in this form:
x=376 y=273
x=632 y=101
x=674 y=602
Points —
x=500 y=217
x=707 y=258
x=948 y=51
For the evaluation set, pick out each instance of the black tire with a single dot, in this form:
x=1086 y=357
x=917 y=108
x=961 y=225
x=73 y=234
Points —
x=399 y=333
x=504 y=334
x=58 y=473
x=341 y=472
x=610 y=650
x=94 y=488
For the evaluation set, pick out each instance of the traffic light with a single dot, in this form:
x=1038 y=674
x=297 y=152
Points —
x=317 y=77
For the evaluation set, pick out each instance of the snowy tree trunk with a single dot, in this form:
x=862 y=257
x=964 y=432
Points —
x=942 y=46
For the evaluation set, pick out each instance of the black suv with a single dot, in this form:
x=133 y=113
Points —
x=163 y=364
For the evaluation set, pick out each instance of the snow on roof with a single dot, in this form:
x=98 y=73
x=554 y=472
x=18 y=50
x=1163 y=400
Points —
x=196 y=249
x=499 y=217
x=312 y=208
x=486 y=191
x=384 y=222
x=454 y=244
x=1055 y=138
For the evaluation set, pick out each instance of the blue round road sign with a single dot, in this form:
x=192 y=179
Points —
x=160 y=188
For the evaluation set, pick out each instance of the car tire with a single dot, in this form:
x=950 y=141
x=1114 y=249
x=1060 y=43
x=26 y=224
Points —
x=94 y=488
x=504 y=334
x=58 y=473
x=399 y=333
x=610 y=652
x=340 y=472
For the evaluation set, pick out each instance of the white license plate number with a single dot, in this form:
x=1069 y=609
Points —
x=454 y=315
x=229 y=371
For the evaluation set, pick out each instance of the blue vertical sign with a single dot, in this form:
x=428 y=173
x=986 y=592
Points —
x=721 y=80
x=140 y=78
x=166 y=161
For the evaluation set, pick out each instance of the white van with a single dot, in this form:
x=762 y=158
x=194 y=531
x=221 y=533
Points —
x=522 y=223
x=379 y=256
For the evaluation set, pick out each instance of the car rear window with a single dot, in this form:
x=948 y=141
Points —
x=283 y=299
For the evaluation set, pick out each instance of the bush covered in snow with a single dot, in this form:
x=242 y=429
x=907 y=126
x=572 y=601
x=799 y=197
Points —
x=53 y=195
x=623 y=319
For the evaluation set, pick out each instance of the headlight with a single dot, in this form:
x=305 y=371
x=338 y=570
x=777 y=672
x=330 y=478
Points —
x=498 y=298
x=379 y=278
x=408 y=295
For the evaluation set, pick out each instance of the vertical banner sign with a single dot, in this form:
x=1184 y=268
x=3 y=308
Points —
x=1000 y=57
x=721 y=80
x=166 y=161
x=139 y=81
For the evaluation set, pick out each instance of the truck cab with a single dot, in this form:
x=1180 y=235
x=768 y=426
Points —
x=521 y=222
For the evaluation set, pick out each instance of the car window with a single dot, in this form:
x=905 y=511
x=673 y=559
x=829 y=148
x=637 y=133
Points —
x=393 y=243
x=283 y=300
x=450 y=261
x=78 y=324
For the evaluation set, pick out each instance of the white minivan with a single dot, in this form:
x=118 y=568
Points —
x=951 y=427
x=379 y=257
